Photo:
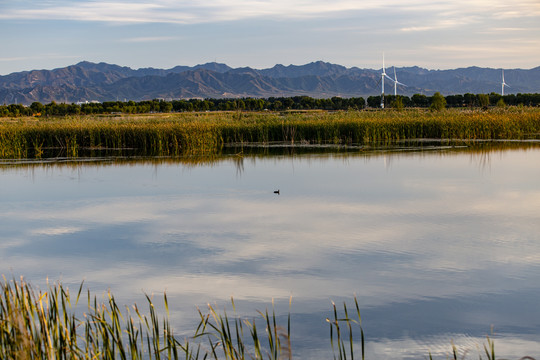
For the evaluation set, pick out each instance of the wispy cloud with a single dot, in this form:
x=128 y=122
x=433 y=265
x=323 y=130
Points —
x=98 y=11
x=354 y=32
x=519 y=9
x=55 y=231
x=189 y=11
x=442 y=23
x=144 y=39
x=15 y=58
x=417 y=28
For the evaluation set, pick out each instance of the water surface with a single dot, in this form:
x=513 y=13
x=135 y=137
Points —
x=439 y=246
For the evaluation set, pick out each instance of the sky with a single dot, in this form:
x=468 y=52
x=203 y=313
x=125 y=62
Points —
x=434 y=34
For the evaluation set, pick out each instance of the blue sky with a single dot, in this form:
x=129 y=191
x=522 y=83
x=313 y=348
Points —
x=435 y=34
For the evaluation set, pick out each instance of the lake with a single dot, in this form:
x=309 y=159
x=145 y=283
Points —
x=439 y=244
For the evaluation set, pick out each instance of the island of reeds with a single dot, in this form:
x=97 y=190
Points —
x=173 y=134
x=48 y=324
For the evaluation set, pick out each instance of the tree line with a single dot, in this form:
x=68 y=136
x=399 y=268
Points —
x=271 y=104
x=458 y=101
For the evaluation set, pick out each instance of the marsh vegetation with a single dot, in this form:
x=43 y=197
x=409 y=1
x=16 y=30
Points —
x=48 y=324
x=208 y=133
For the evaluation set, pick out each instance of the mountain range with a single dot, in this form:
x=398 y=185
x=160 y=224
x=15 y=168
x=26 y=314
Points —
x=87 y=81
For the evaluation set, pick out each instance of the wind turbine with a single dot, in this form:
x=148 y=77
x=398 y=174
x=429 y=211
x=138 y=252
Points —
x=396 y=82
x=503 y=84
x=383 y=75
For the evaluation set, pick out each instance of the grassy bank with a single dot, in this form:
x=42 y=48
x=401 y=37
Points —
x=49 y=325
x=204 y=133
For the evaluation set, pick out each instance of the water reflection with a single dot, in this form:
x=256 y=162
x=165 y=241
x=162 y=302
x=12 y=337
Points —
x=437 y=245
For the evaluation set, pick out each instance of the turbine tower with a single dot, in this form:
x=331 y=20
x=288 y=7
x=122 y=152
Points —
x=503 y=84
x=396 y=82
x=383 y=74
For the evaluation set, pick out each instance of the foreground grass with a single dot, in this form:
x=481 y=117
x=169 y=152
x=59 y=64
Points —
x=44 y=325
x=204 y=133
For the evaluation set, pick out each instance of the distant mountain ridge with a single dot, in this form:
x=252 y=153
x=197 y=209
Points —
x=88 y=81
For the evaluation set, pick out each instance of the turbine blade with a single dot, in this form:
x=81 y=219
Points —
x=389 y=78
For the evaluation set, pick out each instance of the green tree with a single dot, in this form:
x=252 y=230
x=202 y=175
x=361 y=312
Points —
x=240 y=104
x=337 y=103
x=36 y=107
x=374 y=101
x=307 y=102
x=165 y=107
x=16 y=109
x=469 y=99
x=73 y=109
x=397 y=103
x=277 y=105
x=420 y=100
x=494 y=98
x=288 y=103
x=454 y=100
x=438 y=102
x=483 y=99
x=357 y=103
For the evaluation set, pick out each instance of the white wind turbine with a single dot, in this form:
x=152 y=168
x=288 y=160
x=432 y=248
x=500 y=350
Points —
x=396 y=82
x=503 y=84
x=383 y=75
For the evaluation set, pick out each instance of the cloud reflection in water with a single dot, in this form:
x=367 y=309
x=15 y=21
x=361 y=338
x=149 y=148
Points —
x=425 y=235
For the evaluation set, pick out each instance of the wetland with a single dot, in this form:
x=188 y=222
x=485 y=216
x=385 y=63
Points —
x=438 y=243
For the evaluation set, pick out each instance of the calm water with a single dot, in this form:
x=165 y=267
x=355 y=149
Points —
x=438 y=246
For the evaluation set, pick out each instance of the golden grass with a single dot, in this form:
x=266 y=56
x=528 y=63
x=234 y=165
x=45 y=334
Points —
x=204 y=133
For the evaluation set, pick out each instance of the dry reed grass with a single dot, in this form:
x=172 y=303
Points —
x=205 y=133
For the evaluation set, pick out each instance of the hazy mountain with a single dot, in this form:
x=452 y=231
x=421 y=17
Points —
x=318 y=68
x=87 y=81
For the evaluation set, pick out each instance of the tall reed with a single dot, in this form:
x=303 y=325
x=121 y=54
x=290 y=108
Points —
x=44 y=325
x=205 y=133
x=226 y=335
x=342 y=327
x=48 y=325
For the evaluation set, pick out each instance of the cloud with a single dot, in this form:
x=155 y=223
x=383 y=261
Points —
x=98 y=11
x=247 y=233
x=443 y=23
x=417 y=28
x=152 y=39
x=188 y=12
x=56 y=231
x=441 y=346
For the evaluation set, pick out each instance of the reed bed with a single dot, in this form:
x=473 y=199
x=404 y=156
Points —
x=49 y=325
x=205 y=133
x=43 y=325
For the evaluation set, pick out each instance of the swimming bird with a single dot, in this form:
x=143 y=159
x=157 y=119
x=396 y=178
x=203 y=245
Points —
x=276 y=191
